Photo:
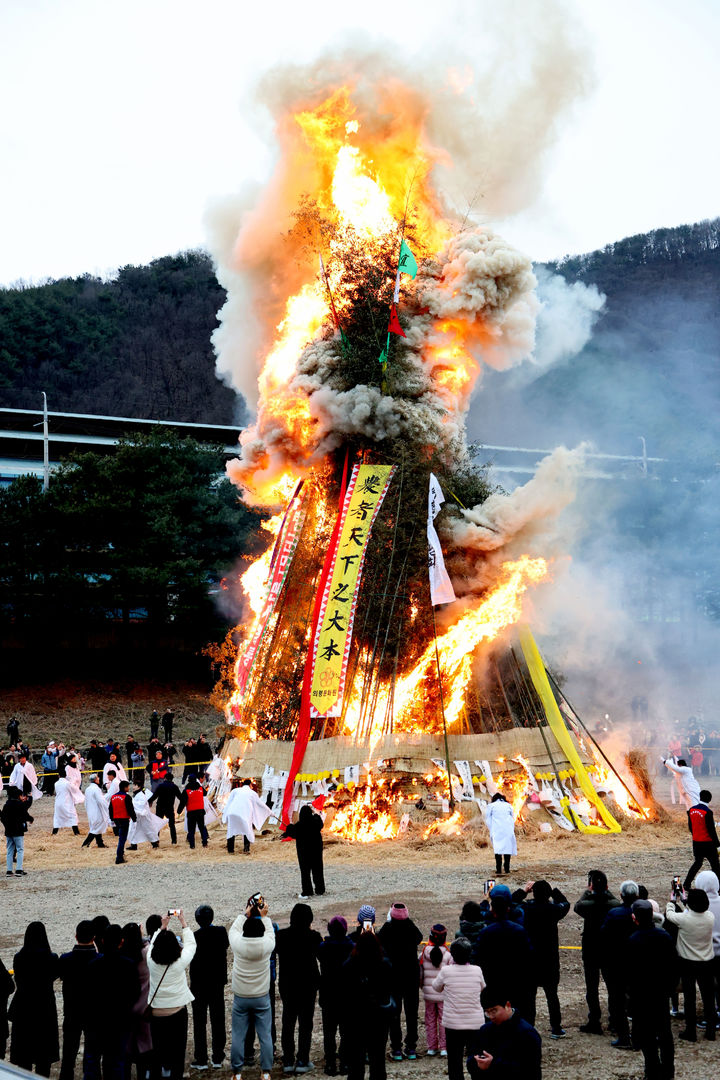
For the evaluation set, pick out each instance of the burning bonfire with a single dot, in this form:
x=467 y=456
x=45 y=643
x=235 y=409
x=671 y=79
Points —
x=383 y=307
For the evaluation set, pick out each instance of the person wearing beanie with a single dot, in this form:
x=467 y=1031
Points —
x=334 y=950
x=298 y=979
x=252 y=940
x=460 y=984
x=653 y=969
x=366 y=914
x=542 y=915
x=208 y=979
x=400 y=939
x=705 y=843
x=695 y=949
x=500 y=820
x=433 y=956
x=504 y=953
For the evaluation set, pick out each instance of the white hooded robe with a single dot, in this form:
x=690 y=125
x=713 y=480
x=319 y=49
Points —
x=148 y=825
x=65 y=815
x=74 y=778
x=501 y=823
x=96 y=808
x=20 y=773
x=116 y=767
x=244 y=812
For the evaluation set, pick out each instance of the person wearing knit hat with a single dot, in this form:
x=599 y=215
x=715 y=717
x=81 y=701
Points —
x=366 y=914
x=334 y=950
x=432 y=958
x=400 y=938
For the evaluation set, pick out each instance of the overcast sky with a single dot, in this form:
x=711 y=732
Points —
x=122 y=118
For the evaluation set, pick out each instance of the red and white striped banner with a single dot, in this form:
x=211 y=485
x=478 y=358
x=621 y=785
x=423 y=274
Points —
x=285 y=546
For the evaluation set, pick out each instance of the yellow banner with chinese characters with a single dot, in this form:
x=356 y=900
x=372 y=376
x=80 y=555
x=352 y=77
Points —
x=331 y=644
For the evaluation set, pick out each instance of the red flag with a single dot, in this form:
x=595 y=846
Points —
x=319 y=802
x=395 y=327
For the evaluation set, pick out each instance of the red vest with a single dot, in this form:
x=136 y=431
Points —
x=698 y=824
x=159 y=770
x=119 y=805
x=196 y=799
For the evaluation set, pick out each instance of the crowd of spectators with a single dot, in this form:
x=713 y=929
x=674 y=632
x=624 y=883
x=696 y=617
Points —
x=126 y=990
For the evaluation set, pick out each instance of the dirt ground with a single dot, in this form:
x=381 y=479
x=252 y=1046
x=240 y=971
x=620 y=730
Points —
x=66 y=883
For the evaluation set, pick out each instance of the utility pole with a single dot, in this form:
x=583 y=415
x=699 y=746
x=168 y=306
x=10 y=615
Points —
x=46 y=446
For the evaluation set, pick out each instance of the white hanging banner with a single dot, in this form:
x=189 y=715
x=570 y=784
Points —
x=352 y=774
x=465 y=774
x=441 y=589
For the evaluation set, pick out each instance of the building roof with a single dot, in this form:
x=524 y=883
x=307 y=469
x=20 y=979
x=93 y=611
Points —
x=21 y=436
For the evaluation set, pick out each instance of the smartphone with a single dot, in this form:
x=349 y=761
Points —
x=173 y=911
x=676 y=887
x=367 y=926
x=489 y=885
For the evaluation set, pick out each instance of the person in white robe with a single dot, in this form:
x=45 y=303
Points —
x=65 y=815
x=96 y=808
x=116 y=767
x=74 y=777
x=24 y=771
x=500 y=821
x=244 y=813
x=146 y=828
x=690 y=788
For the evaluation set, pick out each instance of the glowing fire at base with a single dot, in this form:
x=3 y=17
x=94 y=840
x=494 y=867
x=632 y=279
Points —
x=363 y=818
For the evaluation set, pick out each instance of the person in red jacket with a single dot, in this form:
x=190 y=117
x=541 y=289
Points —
x=193 y=797
x=704 y=838
x=122 y=812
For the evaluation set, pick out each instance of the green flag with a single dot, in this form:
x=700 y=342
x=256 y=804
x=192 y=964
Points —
x=407 y=263
x=383 y=357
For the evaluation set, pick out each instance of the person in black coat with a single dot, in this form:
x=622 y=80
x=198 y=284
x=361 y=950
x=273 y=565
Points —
x=368 y=1004
x=334 y=950
x=507 y=1047
x=307 y=834
x=400 y=939
x=504 y=953
x=7 y=985
x=165 y=794
x=33 y=1013
x=15 y=817
x=299 y=978
x=113 y=987
x=541 y=917
x=653 y=965
x=614 y=934
x=593 y=907
x=97 y=756
x=208 y=978
x=72 y=968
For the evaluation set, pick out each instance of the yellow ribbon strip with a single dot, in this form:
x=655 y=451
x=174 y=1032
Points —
x=540 y=681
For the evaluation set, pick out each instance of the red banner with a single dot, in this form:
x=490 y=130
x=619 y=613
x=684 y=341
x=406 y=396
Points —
x=282 y=557
x=303 y=730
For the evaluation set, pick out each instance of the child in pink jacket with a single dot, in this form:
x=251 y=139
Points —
x=433 y=957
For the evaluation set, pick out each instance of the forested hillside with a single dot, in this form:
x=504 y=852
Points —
x=138 y=345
